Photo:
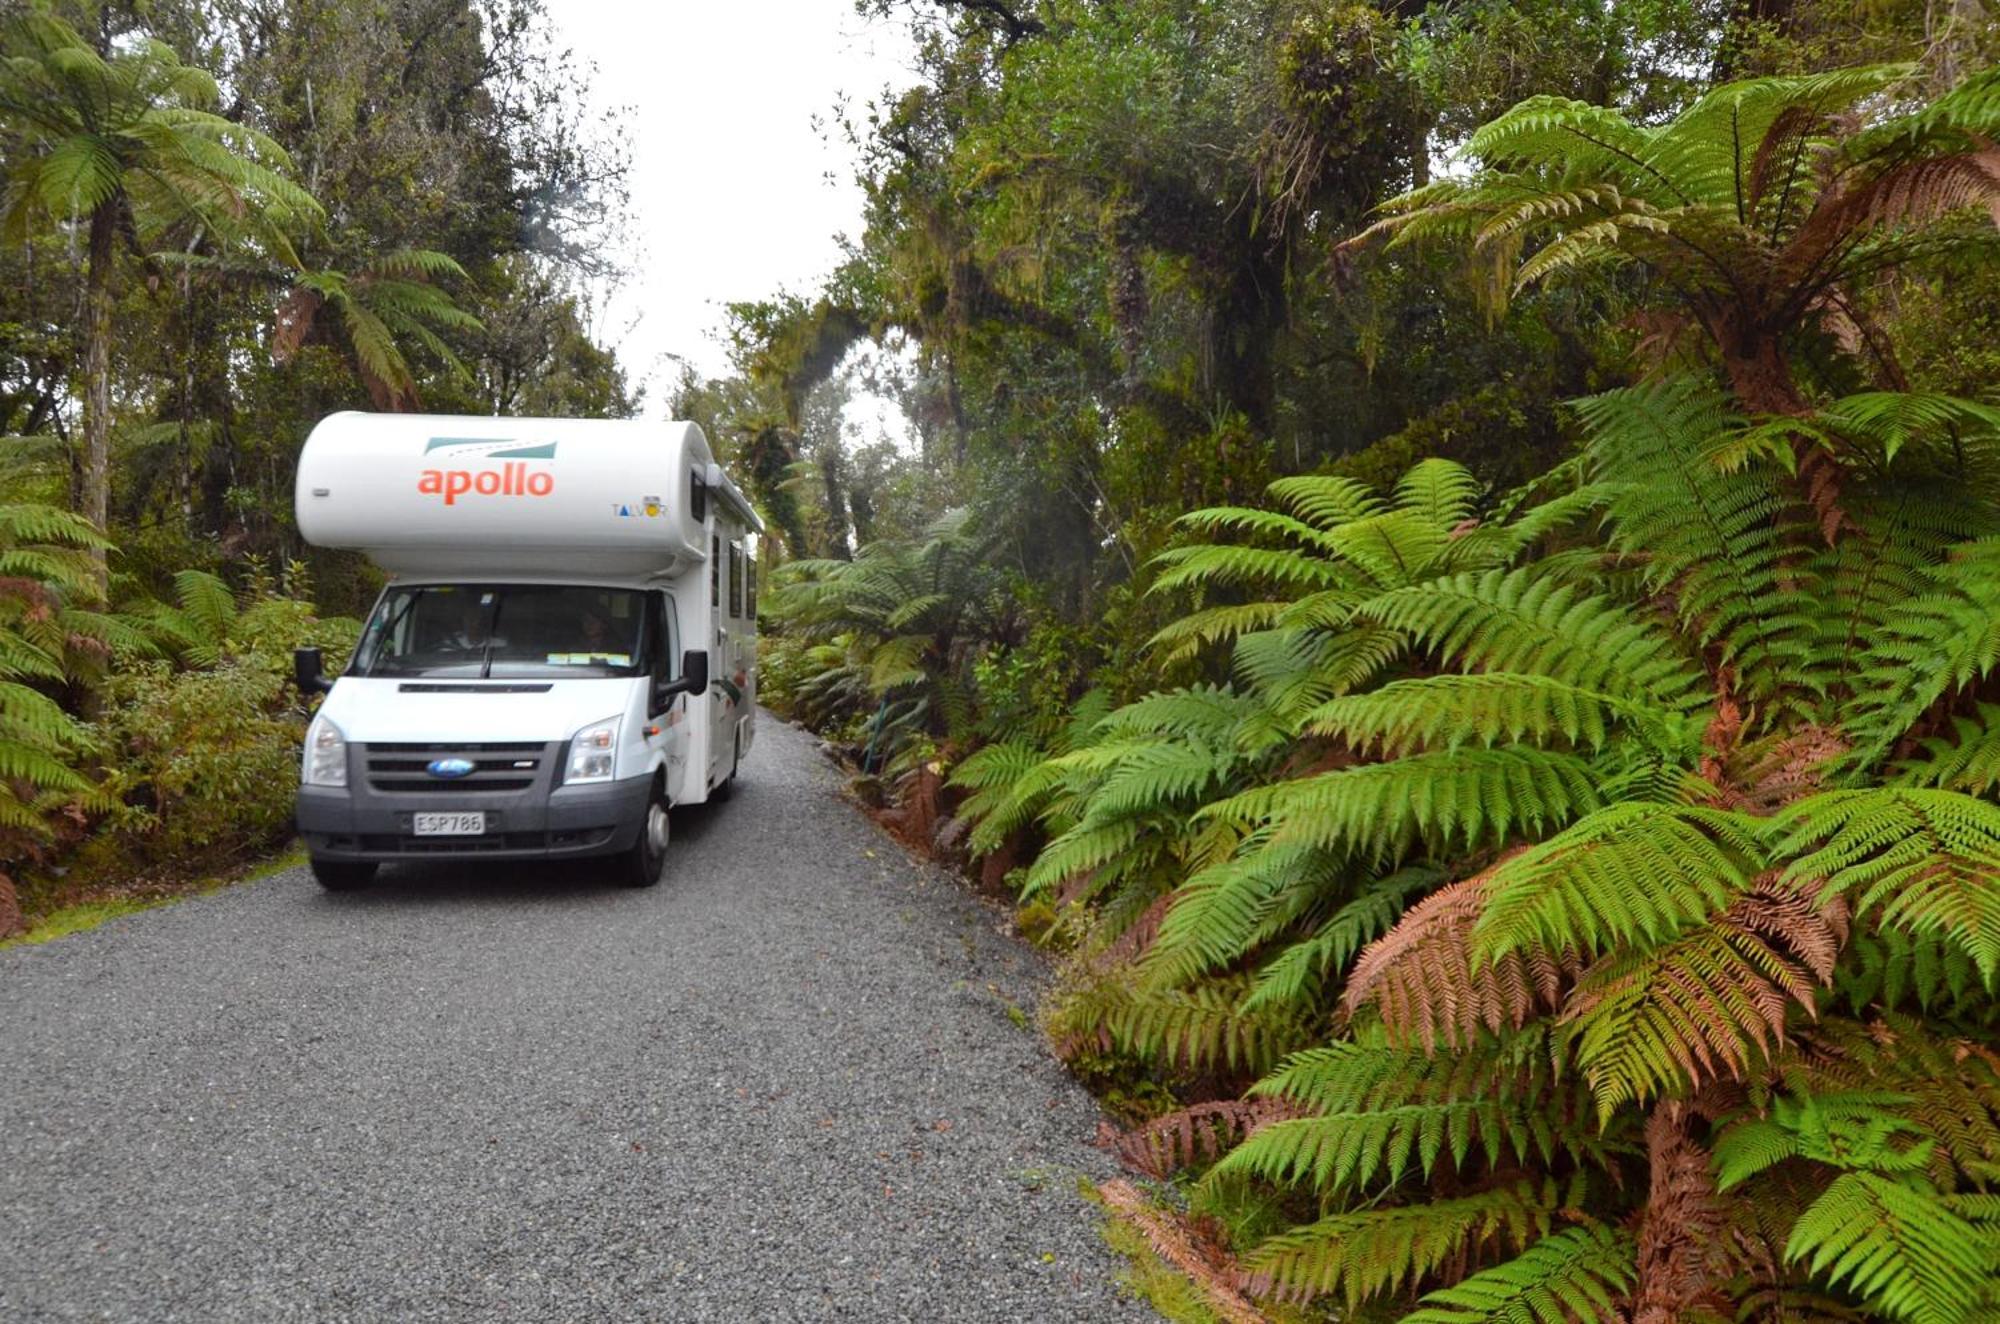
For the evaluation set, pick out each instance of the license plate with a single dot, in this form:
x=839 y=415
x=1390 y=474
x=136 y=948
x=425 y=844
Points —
x=449 y=825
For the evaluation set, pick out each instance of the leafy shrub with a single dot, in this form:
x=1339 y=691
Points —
x=204 y=763
x=202 y=759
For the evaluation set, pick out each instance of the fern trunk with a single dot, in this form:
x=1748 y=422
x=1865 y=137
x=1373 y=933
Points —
x=1681 y=1220
x=1759 y=371
x=94 y=487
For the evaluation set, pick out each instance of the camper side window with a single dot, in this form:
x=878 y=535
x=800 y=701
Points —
x=666 y=639
x=736 y=581
x=715 y=571
x=750 y=590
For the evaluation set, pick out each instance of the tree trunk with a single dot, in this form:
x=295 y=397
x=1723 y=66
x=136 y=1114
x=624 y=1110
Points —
x=836 y=503
x=11 y=922
x=1681 y=1221
x=1761 y=376
x=94 y=494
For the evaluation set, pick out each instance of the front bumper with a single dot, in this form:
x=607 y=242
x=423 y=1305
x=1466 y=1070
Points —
x=357 y=822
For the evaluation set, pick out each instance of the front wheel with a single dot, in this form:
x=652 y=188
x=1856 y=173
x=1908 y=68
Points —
x=646 y=858
x=343 y=875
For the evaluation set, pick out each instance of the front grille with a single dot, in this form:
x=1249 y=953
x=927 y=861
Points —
x=383 y=843
x=399 y=768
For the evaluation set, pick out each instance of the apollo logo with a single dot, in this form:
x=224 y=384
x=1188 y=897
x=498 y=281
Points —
x=512 y=477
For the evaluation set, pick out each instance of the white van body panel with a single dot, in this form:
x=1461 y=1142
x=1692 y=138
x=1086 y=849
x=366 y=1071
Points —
x=591 y=503
x=445 y=495
x=371 y=709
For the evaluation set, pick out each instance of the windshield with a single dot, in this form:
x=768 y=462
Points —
x=504 y=631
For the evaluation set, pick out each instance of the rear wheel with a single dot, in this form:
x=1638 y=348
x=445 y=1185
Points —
x=646 y=858
x=343 y=875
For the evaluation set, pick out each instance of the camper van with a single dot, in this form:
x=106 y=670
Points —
x=565 y=650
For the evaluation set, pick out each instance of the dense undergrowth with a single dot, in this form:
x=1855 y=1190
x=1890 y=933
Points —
x=218 y=224
x=186 y=766
x=1570 y=899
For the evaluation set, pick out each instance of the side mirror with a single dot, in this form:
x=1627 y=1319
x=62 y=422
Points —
x=309 y=671
x=693 y=680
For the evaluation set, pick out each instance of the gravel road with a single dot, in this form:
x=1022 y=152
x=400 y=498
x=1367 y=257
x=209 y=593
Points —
x=785 y=1084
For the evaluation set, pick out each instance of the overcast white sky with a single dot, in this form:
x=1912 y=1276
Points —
x=735 y=193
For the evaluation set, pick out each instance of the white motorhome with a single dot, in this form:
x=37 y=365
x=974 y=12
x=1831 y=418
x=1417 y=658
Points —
x=566 y=647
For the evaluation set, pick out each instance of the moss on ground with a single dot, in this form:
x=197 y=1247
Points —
x=87 y=912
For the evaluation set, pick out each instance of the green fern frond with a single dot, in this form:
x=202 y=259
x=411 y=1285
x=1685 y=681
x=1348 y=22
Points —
x=1188 y=635
x=1969 y=762
x=1714 y=536
x=1895 y=1241
x=1367 y=1253
x=1521 y=622
x=1579 y=1274
x=1924 y=860
x=1443 y=493
x=1466 y=798
x=1202 y=1028
x=1326 y=500
x=1628 y=873
x=1490 y=708
x=1296 y=973
x=207 y=602
x=1221 y=913
x=1943 y=639
x=1081 y=850
x=1206 y=564
x=1892 y=968
x=1707 y=1005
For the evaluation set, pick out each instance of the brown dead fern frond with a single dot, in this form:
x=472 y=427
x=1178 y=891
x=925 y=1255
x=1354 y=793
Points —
x=1198 y=1133
x=1205 y=1263
x=1421 y=980
x=1791 y=768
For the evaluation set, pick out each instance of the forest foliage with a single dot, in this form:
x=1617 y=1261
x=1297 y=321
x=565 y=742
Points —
x=221 y=220
x=1448 y=558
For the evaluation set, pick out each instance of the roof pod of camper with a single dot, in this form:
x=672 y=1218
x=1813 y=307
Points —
x=437 y=494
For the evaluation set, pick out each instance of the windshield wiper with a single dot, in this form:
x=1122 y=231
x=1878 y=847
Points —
x=486 y=649
x=389 y=628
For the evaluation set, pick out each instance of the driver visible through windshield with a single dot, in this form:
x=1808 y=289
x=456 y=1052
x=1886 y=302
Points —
x=504 y=631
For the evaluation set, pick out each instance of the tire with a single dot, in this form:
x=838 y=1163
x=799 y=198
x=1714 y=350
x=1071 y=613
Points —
x=646 y=858
x=343 y=875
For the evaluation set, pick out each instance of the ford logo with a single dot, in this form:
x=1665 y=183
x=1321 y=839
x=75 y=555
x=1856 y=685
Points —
x=450 y=767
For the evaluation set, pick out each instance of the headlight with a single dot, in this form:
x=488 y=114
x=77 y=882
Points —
x=593 y=752
x=326 y=755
